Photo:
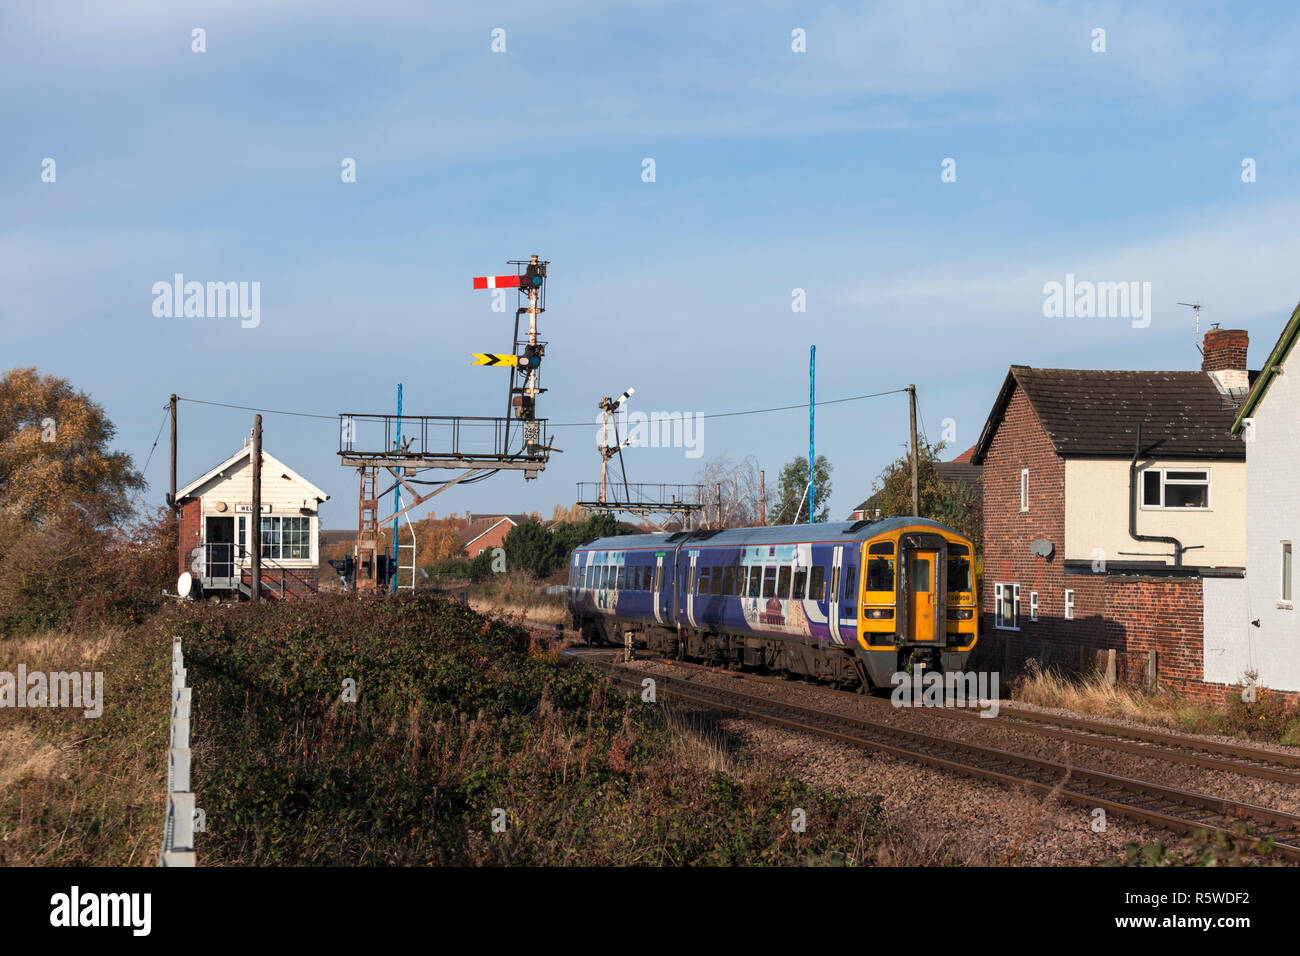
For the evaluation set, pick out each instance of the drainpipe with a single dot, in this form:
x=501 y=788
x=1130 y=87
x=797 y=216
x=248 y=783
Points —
x=1133 y=508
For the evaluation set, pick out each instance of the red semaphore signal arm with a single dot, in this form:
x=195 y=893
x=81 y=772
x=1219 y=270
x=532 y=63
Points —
x=496 y=282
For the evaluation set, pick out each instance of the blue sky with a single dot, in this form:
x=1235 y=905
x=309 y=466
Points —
x=775 y=170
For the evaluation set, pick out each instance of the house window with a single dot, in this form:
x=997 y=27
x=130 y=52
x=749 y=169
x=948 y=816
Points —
x=1173 y=488
x=1287 y=600
x=282 y=538
x=1069 y=604
x=1006 y=603
x=1024 y=489
x=1033 y=605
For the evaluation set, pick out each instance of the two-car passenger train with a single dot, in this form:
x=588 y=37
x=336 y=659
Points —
x=853 y=603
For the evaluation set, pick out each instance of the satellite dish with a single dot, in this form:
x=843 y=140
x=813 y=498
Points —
x=185 y=584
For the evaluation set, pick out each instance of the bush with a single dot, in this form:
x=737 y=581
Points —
x=64 y=572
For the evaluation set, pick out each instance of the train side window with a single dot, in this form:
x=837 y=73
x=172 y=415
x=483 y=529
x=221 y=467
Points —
x=755 y=576
x=634 y=579
x=658 y=577
x=729 y=581
x=769 y=582
x=620 y=580
x=850 y=579
x=881 y=547
x=702 y=581
x=880 y=574
x=716 y=588
x=783 y=582
x=817 y=584
x=800 y=584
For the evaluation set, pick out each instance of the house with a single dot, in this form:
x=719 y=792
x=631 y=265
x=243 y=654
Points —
x=485 y=532
x=214 y=529
x=960 y=471
x=1114 y=513
x=1266 y=641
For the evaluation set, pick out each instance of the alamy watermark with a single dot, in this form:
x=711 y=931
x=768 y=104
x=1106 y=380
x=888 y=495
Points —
x=1085 y=299
x=933 y=689
x=656 y=430
x=210 y=300
x=67 y=689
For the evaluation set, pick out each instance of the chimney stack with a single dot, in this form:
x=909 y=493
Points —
x=1224 y=359
x=1224 y=350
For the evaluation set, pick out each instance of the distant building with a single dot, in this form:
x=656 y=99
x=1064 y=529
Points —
x=486 y=532
x=960 y=471
x=1114 y=511
x=215 y=510
x=1267 y=638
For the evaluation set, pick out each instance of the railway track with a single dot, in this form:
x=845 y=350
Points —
x=1180 y=811
x=1161 y=745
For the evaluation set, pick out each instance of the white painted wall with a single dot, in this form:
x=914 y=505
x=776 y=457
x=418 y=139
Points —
x=1097 y=506
x=1227 y=652
x=284 y=495
x=1273 y=515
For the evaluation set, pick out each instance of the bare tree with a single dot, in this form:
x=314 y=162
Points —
x=731 y=493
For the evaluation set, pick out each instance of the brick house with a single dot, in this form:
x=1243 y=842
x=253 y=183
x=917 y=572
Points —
x=215 y=510
x=1114 y=513
x=486 y=532
x=1266 y=640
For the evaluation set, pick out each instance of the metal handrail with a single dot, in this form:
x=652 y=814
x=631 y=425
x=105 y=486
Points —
x=211 y=549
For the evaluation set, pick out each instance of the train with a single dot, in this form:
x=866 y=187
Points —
x=848 y=603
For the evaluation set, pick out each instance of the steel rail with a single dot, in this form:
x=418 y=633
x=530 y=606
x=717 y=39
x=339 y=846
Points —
x=1177 y=810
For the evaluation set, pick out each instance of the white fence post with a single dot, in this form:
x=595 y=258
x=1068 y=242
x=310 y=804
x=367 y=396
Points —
x=178 y=826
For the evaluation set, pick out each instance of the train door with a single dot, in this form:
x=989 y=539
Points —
x=688 y=583
x=837 y=563
x=922 y=587
x=656 y=595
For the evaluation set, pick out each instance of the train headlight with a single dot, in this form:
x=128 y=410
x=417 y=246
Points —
x=880 y=613
x=960 y=613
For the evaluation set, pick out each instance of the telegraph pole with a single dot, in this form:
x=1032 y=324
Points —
x=255 y=522
x=171 y=498
x=916 y=490
x=762 y=497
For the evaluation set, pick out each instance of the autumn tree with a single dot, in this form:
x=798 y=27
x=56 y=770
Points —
x=956 y=504
x=792 y=496
x=54 y=453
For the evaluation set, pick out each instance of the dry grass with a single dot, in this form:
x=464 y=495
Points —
x=24 y=756
x=85 y=792
x=516 y=597
x=1090 y=694
x=697 y=742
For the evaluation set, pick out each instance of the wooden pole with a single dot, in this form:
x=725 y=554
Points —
x=916 y=489
x=171 y=497
x=762 y=497
x=255 y=530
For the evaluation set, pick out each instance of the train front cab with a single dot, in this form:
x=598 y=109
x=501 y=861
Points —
x=918 y=607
